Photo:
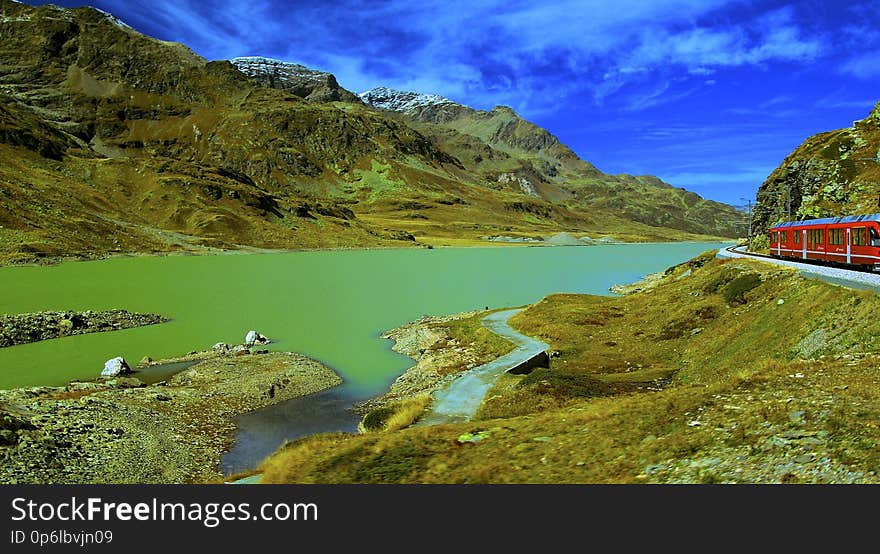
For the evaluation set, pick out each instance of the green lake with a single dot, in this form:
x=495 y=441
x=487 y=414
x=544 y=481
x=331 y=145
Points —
x=330 y=305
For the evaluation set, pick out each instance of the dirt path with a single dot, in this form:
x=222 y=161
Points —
x=459 y=400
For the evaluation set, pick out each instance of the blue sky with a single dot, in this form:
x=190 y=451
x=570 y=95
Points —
x=710 y=95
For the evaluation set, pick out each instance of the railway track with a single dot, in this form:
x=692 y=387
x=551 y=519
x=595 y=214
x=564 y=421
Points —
x=849 y=277
x=818 y=263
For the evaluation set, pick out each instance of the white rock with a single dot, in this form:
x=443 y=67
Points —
x=115 y=366
x=254 y=337
x=220 y=347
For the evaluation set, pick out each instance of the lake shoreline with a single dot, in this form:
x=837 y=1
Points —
x=420 y=340
x=122 y=431
x=440 y=357
x=50 y=261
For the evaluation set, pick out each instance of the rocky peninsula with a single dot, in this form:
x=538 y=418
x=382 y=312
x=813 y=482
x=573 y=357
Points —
x=120 y=430
x=33 y=327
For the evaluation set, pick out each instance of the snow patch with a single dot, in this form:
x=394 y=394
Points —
x=113 y=19
x=401 y=101
x=259 y=66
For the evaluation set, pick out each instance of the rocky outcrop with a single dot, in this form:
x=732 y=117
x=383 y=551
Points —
x=830 y=174
x=33 y=327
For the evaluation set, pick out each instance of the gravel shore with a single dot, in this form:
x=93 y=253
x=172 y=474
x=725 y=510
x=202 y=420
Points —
x=122 y=431
x=33 y=327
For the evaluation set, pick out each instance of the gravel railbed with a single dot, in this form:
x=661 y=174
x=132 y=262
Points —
x=835 y=275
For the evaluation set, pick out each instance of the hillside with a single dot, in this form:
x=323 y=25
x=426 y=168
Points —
x=112 y=141
x=830 y=174
x=722 y=371
x=512 y=152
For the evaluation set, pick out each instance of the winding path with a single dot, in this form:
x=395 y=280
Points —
x=459 y=400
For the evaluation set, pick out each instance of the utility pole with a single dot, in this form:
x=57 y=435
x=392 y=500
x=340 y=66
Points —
x=750 y=224
x=749 y=217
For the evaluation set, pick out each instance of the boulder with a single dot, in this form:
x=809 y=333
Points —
x=220 y=347
x=116 y=366
x=254 y=337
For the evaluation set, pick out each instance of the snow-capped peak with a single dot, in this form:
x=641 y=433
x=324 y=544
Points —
x=401 y=101
x=259 y=66
x=113 y=19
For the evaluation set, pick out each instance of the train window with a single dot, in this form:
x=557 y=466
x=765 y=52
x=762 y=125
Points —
x=875 y=239
x=835 y=236
x=783 y=236
x=858 y=236
x=797 y=237
x=816 y=236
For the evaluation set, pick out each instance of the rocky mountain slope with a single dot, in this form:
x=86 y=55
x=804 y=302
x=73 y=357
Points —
x=830 y=174
x=525 y=155
x=112 y=141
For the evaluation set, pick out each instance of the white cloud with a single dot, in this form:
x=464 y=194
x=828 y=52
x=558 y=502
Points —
x=863 y=66
x=486 y=52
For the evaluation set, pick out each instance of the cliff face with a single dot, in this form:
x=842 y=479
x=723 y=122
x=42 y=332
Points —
x=115 y=141
x=830 y=174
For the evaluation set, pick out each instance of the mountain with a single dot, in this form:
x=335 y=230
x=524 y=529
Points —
x=521 y=153
x=830 y=174
x=112 y=141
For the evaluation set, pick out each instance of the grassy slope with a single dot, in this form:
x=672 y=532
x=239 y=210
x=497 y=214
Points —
x=763 y=392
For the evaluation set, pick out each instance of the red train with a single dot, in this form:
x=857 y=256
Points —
x=850 y=240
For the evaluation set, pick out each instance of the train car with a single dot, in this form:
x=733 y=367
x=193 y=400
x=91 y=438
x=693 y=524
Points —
x=850 y=240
